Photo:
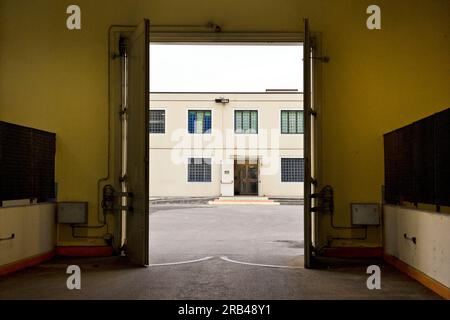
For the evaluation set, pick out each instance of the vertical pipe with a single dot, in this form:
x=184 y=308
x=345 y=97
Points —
x=124 y=129
x=307 y=144
x=313 y=150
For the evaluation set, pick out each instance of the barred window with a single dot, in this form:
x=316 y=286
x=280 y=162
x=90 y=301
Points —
x=291 y=121
x=157 y=121
x=199 y=121
x=246 y=121
x=292 y=169
x=199 y=170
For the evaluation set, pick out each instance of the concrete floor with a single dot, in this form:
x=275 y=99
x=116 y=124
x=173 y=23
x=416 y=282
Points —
x=243 y=252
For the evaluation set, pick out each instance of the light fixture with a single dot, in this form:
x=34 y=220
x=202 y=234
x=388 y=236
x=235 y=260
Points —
x=222 y=100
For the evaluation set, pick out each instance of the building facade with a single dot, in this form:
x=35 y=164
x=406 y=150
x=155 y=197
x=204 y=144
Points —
x=226 y=144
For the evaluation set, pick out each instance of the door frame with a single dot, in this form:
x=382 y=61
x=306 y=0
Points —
x=212 y=38
x=247 y=164
x=115 y=150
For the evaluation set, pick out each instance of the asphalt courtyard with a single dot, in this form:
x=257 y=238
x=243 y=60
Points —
x=271 y=235
x=208 y=252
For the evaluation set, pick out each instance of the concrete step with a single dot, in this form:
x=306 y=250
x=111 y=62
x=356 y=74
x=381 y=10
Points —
x=180 y=200
x=243 y=200
x=289 y=201
x=247 y=198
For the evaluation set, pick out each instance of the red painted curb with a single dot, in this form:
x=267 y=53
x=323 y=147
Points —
x=25 y=263
x=353 y=252
x=84 y=251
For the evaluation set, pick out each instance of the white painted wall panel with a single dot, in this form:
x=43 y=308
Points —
x=431 y=253
x=34 y=228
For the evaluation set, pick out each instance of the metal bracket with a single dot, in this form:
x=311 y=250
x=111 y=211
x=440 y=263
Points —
x=122 y=208
x=115 y=55
x=123 y=112
x=413 y=239
x=312 y=181
x=12 y=236
x=123 y=194
x=324 y=59
x=311 y=112
x=111 y=197
x=325 y=200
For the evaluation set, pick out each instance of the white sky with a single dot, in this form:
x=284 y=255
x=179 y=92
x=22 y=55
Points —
x=225 y=68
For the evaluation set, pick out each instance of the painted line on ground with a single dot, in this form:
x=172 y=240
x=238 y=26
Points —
x=258 y=264
x=179 y=262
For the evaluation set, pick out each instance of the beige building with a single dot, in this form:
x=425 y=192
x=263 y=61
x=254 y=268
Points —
x=226 y=144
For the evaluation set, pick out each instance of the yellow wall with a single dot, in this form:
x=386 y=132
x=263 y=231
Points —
x=55 y=79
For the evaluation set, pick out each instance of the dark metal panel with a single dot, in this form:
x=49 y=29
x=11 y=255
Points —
x=417 y=159
x=16 y=169
x=423 y=150
x=27 y=163
x=442 y=129
x=391 y=193
x=399 y=181
x=404 y=147
x=43 y=153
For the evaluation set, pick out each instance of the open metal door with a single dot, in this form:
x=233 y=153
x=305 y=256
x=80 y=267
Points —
x=307 y=154
x=137 y=145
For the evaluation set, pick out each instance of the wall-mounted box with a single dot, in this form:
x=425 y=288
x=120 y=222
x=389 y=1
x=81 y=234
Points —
x=72 y=212
x=365 y=214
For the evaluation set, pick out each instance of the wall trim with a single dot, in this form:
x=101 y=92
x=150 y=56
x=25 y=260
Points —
x=419 y=276
x=227 y=37
x=26 y=263
x=353 y=252
x=84 y=251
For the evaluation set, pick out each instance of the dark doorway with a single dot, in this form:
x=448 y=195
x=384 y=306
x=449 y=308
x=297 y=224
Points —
x=246 y=177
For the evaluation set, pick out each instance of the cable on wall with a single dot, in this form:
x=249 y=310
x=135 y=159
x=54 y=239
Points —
x=326 y=205
x=325 y=202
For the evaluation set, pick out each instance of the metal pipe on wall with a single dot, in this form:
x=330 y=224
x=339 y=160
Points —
x=307 y=145
x=124 y=131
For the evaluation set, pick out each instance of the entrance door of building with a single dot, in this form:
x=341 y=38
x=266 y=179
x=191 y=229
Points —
x=246 y=177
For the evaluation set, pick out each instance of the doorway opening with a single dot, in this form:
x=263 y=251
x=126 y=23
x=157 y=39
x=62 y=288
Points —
x=172 y=145
x=226 y=151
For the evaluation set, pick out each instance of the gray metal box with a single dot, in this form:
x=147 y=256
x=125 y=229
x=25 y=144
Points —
x=72 y=212
x=365 y=214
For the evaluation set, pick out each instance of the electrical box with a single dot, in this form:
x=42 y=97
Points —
x=226 y=181
x=72 y=212
x=365 y=214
